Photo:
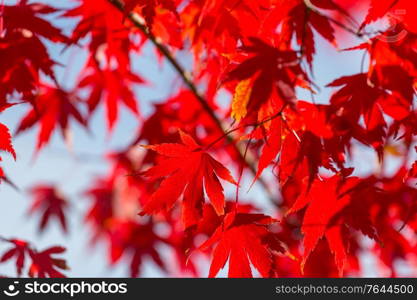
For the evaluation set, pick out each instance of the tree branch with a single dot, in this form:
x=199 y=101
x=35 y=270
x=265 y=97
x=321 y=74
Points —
x=139 y=23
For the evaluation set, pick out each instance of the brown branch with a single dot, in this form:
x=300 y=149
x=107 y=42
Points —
x=139 y=23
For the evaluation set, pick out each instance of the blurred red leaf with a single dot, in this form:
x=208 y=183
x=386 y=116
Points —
x=51 y=108
x=23 y=29
x=18 y=251
x=44 y=264
x=5 y=144
x=48 y=202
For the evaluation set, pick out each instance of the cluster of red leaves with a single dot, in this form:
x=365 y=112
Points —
x=169 y=194
x=24 y=28
x=5 y=144
x=41 y=263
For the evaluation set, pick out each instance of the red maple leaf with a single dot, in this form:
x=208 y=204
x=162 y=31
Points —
x=412 y=172
x=242 y=239
x=49 y=203
x=273 y=71
x=310 y=140
x=101 y=210
x=52 y=107
x=307 y=137
x=299 y=19
x=23 y=29
x=396 y=10
x=136 y=240
x=19 y=250
x=5 y=144
x=113 y=87
x=272 y=146
x=218 y=24
x=45 y=265
x=107 y=76
x=370 y=97
x=324 y=201
x=397 y=55
x=186 y=169
x=179 y=111
x=359 y=97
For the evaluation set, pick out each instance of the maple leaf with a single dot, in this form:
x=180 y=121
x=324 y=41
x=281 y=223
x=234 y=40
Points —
x=324 y=201
x=272 y=146
x=23 y=29
x=271 y=71
x=363 y=195
x=101 y=210
x=107 y=76
x=216 y=29
x=18 y=251
x=299 y=19
x=396 y=10
x=391 y=53
x=371 y=97
x=358 y=97
x=186 y=169
x=139 y=240
x=5 y=144
x=102 y=21
x=412 y=172
x=321 y=262
x=25 y=15
x=210 y=220
x=218 y=25
x=311 y=126
x=241 y=239
x=112 y=87
x=45 y=265
x=49 y=203
x=311 y=138
x=52 y=107
x=179 y=111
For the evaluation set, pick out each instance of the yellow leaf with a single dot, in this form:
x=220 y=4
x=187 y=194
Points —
x=241 y=98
